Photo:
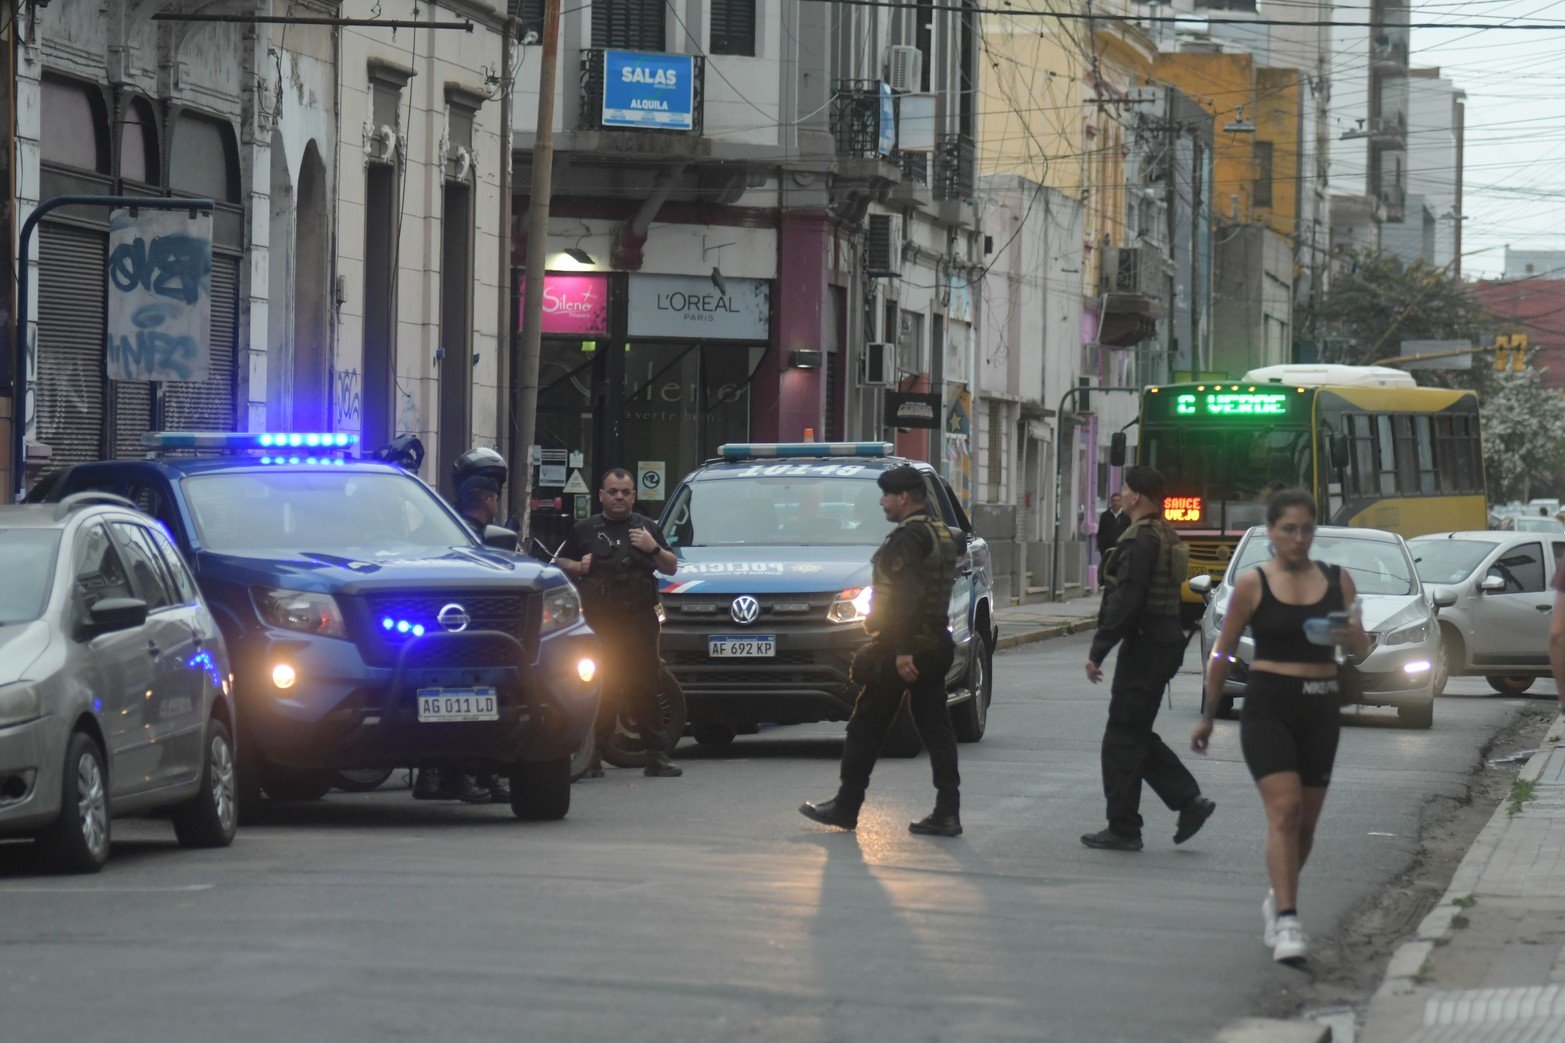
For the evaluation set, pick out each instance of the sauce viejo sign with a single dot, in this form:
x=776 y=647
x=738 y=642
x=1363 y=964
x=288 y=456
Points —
x=691 y=306
x=648 y=90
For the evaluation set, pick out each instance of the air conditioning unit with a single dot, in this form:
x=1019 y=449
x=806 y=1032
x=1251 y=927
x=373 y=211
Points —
x=883 y=245
x=904 y=68
x=878 y=365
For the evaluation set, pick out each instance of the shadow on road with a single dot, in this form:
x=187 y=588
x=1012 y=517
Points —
x=748 y=747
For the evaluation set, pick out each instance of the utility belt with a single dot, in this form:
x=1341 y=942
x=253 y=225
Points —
x=619 y=591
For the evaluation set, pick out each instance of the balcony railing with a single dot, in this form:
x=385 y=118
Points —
x=1388 y=131
x=956 y=167
x=1388 y=55
x=591 y=108
x=915 y=167
x=855 y=118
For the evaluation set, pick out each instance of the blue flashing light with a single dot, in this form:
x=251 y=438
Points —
x=772 y=450
x=266 y=440
x=241 y=441
x=404 y=626
x=312 y=439
x=386 y=623
x=418 y=630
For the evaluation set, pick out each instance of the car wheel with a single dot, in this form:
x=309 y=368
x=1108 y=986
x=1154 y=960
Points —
x=581 y=759
x=971 y=717
x=902 y=740
x=1509 y=685
x=287 y=784
x=714 y=734
x=78 y=841
x=1420 y=715
x=1447 y=657
x=623 y=747
x=210 y=818
x=361 y=780
x=541 y=791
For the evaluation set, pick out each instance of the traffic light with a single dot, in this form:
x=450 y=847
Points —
x=1510 y=352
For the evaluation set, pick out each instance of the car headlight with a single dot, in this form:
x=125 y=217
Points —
x=561 y=608
x=851 y=605
x=18 y=704
x=301 y=610
x=1409 y=635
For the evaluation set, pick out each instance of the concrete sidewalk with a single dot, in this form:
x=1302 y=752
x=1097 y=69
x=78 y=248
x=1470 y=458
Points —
x=1488 y=963
x=1039 y=620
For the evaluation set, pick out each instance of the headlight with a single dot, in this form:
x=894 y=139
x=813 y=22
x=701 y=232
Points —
x=18 y=704
x=300 y=610
x=851 y=605
x=1414 y=634
x=561 y=608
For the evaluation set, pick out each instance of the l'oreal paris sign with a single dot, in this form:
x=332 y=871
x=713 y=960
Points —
x=648 y=90
x=691 y=306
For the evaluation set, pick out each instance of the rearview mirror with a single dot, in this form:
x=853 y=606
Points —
x=1492 y=585
x=500 y=538
x=112 y=614
x=1339 y=452
x=1117 y=449
x=1202 y=584
x=1442 y=599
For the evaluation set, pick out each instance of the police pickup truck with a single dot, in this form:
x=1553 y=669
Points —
x=368 y=627
x=774 y=544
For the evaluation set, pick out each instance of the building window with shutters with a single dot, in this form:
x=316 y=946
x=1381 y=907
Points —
x=530 y=14
x=633 y=25
x=733 y=27
x=74 y=130
x=1263 y=173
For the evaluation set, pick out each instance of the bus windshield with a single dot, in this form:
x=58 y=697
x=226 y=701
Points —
x=1218 y=476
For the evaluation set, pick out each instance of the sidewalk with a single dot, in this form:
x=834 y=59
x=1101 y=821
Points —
x=1488 y=963
x=1039 y=620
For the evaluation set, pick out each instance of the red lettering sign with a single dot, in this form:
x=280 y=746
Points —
x=1182 y=509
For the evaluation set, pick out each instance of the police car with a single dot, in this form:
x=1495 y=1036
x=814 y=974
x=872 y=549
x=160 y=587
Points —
x=774 y=544
x=367 y=626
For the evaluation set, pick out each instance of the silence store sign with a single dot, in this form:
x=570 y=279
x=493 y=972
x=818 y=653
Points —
x=689 y=306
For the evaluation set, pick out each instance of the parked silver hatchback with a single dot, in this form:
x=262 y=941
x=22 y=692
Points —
x=114 y=683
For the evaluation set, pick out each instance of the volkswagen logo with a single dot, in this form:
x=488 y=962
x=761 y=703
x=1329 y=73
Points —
x=745 y=609
x=453 y=617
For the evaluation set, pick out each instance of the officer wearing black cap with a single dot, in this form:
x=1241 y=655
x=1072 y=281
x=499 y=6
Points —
x=1143 y=575
x=910 y=651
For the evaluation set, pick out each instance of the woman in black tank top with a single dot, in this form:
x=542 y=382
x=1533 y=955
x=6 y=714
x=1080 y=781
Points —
x=1288 y=729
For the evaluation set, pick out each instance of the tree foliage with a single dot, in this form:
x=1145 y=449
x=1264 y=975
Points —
x=1523 y=432
x=1379 y=301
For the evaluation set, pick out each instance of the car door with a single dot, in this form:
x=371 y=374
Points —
x=175 y=698
x=961 y=610
x=1512 y=624
x=115 y=666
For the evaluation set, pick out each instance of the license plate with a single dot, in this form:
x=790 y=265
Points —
x=759 y=646
x=458 y=704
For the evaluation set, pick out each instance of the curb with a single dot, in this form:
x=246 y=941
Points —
x=1272 y=1030
x=1027 y=637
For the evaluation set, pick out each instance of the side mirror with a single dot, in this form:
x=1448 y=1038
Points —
x=1492 y=585
x=1339 y=452
x=1117 y=449
x=499 y=538
x=112 y=614
x=1443 y=599
x=1202 y=585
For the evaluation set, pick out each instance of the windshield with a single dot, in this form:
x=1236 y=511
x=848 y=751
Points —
x=1539 y=525
x=1229 y=469
x=1447 y=561
x=769 y=512
x=27 y=563
x=345 y=513
x=1377 y=567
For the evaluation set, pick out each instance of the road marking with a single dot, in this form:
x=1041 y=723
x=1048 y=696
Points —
x=181 y=889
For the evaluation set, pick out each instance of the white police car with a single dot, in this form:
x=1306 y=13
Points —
x=774 y=544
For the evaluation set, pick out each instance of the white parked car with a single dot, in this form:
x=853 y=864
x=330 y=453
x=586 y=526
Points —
x=1403 y=668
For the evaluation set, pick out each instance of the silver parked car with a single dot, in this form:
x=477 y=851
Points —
x=114 y=682
x=1496 y=589
x=1403 y=668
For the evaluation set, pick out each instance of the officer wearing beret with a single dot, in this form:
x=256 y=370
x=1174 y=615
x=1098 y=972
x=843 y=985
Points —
x=910 y=652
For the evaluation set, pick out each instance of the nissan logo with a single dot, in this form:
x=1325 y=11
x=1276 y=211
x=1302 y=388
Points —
x=745 y=609
x=453 y=617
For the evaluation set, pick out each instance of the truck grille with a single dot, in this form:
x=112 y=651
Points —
x=514 y=614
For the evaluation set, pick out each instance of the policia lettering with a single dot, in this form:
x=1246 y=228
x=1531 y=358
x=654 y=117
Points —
x=909 y=652
x=1140 y=608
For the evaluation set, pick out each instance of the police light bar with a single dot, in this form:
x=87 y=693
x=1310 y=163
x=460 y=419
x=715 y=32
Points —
x=762 y=450
x=249 y=441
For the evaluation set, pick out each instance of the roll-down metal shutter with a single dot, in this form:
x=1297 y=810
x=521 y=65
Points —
x=71 y=303
x=209 y=405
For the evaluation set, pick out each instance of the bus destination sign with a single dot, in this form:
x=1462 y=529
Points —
x=1230 y=403
x=1186 y=509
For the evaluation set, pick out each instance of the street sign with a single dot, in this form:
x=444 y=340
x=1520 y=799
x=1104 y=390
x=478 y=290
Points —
x=1454 y=354
x=577 y=483
x=650 y=476
x=160 y=295
x=648 y=90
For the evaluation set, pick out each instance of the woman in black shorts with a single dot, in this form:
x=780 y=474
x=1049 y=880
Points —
x=1289 y=726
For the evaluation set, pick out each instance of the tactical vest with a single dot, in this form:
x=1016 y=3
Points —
x=621 y=579
x=1168 y=573
x=939 y=568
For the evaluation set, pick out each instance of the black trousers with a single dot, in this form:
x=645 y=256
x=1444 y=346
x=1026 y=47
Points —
x=1132 y=751
x=872 y=718
x=630 y=661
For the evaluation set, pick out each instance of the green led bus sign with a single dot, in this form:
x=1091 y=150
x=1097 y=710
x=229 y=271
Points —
x=1231 y=403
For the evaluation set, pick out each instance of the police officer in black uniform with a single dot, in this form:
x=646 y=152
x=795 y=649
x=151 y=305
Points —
x=614 y=555
x=1141 y=608
x=910 y=651
x=478 y=500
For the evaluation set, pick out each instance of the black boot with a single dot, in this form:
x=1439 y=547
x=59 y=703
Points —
x=937 y=824
x=835 y=812
x=660 y=767
x=428 y=785
x=469 y=792
x=1192 y=817
x=1108 y=840
x=499 y=789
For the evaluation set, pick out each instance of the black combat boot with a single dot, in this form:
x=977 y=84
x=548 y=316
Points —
x=840 y=811
x=660 y=767
x=428 y=785
x=937 y=824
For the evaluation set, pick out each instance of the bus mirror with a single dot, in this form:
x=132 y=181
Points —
x=1117 y=449
x=1339 y=451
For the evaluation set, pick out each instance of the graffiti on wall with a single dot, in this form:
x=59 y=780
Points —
x=346 y=398
x=160 y=295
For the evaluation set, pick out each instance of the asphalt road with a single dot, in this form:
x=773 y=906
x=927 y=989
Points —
x=706 y=908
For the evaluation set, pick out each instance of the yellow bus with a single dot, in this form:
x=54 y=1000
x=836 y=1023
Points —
x=1375 y=449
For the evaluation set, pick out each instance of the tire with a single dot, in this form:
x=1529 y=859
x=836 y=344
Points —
x=714 y=734
x=902 y=740
x=287 y=784
x=1419 y=716
x=581 y=759
x=1447 y=658
x=210 y=818
x=361 y=780
x=1509 y=685
x=78 y=841
x=542 y=791
x=623 y=747
x=971 y=717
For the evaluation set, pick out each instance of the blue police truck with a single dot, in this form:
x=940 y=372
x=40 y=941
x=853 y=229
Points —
x=774 y=544
x=369 y=628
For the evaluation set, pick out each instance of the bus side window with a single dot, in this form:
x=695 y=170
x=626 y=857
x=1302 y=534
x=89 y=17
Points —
x=1427 y=474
